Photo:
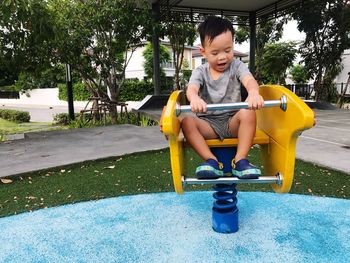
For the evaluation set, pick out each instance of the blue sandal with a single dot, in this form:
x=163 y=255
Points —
x=210 y=169
x=245 y=170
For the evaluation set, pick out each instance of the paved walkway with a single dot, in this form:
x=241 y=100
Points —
x=56 y=148
x=327 y=144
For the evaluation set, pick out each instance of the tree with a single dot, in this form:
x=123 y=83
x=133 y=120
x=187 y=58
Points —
x=327 y=27
x=98 y=39
x=164 y=56
x=268 y=31
x=26 y=31
x=276 y=59
x=299 y=74
x=179 y=35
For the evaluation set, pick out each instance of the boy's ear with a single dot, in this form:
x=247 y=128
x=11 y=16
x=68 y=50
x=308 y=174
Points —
x=202 y=50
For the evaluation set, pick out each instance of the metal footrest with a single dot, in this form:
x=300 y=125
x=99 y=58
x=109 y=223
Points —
x=278 y=178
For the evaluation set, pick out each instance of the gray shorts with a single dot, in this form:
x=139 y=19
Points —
x=220 y=124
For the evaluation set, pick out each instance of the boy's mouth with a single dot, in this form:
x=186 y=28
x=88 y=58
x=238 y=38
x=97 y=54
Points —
x=221 y=65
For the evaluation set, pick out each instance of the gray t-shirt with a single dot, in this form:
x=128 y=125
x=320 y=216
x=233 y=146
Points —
x=225 y=89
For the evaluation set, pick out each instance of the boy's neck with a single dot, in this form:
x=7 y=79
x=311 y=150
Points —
x=215 y=74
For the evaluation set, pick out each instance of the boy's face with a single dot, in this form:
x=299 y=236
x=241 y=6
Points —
x=219 y=52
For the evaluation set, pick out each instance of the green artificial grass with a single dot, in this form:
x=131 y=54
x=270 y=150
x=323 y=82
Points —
x=139 y=173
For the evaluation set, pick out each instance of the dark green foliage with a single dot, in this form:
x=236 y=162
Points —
x=267 y=31
x=87 y=120
x=63 y=118
x=164 y=56
x=299 y=74
x=135 y=90
x=47 y=78
x=15 y=115
x=8 y=75
x=186 y=74
x=179 y=35
x=80 y=93
x=131 y=90
x=8 y=88
x=326 y=25
x=26 y=36
x=276 y=59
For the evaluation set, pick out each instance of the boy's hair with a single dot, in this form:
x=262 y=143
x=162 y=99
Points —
x=214 y=26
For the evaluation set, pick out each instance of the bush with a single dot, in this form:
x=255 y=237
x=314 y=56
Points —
x=86 y=120
x=8 y=88
x=134 y=90
x=15 y=115
x=131 y=90
x=63 y=118
x=80 y=93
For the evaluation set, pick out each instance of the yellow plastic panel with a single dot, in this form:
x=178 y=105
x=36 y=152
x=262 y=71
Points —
x=170 y=126
x=283 y=128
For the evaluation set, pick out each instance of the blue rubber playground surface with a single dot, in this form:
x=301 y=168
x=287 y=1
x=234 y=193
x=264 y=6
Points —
x=167 y=227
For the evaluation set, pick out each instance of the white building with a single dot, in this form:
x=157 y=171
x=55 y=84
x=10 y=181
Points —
x=344 y=74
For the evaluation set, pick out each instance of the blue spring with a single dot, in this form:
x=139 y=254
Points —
x=225 y=197
x=225 y=211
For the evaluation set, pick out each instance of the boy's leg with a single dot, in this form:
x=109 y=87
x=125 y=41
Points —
x=196 y=131
x=243 y=126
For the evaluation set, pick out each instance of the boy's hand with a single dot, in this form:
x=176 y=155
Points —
x=255 y=101
x=198 y=105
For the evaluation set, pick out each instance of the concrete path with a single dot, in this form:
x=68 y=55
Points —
x=328 y=143
x=56 y=148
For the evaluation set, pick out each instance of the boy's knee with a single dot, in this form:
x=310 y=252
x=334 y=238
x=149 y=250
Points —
x=248 y=115
x=187 y=122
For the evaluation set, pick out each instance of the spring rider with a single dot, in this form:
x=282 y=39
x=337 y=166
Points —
x=279 y=125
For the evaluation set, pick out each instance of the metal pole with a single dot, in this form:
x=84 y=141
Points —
x=278 y=179
x=252 y=25
x=156 y=48
x=233 y=106
x=70 y=92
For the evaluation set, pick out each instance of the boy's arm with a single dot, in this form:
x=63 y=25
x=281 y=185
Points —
x=255 y=101
x=196 y=103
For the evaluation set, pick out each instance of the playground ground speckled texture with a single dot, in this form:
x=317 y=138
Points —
x=166 y=227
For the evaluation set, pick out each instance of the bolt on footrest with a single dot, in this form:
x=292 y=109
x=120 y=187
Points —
x=278 y=178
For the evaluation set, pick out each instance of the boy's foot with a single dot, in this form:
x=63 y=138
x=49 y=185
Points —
x=245 y=170
x=210 y=169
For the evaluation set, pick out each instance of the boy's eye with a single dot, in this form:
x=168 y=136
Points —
x=214 y=53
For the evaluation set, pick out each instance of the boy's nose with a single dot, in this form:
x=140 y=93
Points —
x=222 y=56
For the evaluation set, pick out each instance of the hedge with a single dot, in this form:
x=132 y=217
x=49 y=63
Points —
x=80 y=93
x=15 y=115
x=132 y=90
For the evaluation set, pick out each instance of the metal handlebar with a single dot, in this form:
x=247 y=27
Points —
x=282 y=103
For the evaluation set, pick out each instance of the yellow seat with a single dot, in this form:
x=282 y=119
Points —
x=277 y=133
x=260 y=138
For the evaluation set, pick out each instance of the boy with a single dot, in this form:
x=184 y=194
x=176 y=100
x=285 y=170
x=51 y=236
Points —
x=218 y=81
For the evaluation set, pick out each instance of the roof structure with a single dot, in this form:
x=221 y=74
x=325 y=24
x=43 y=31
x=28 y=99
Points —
x=196 y=10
